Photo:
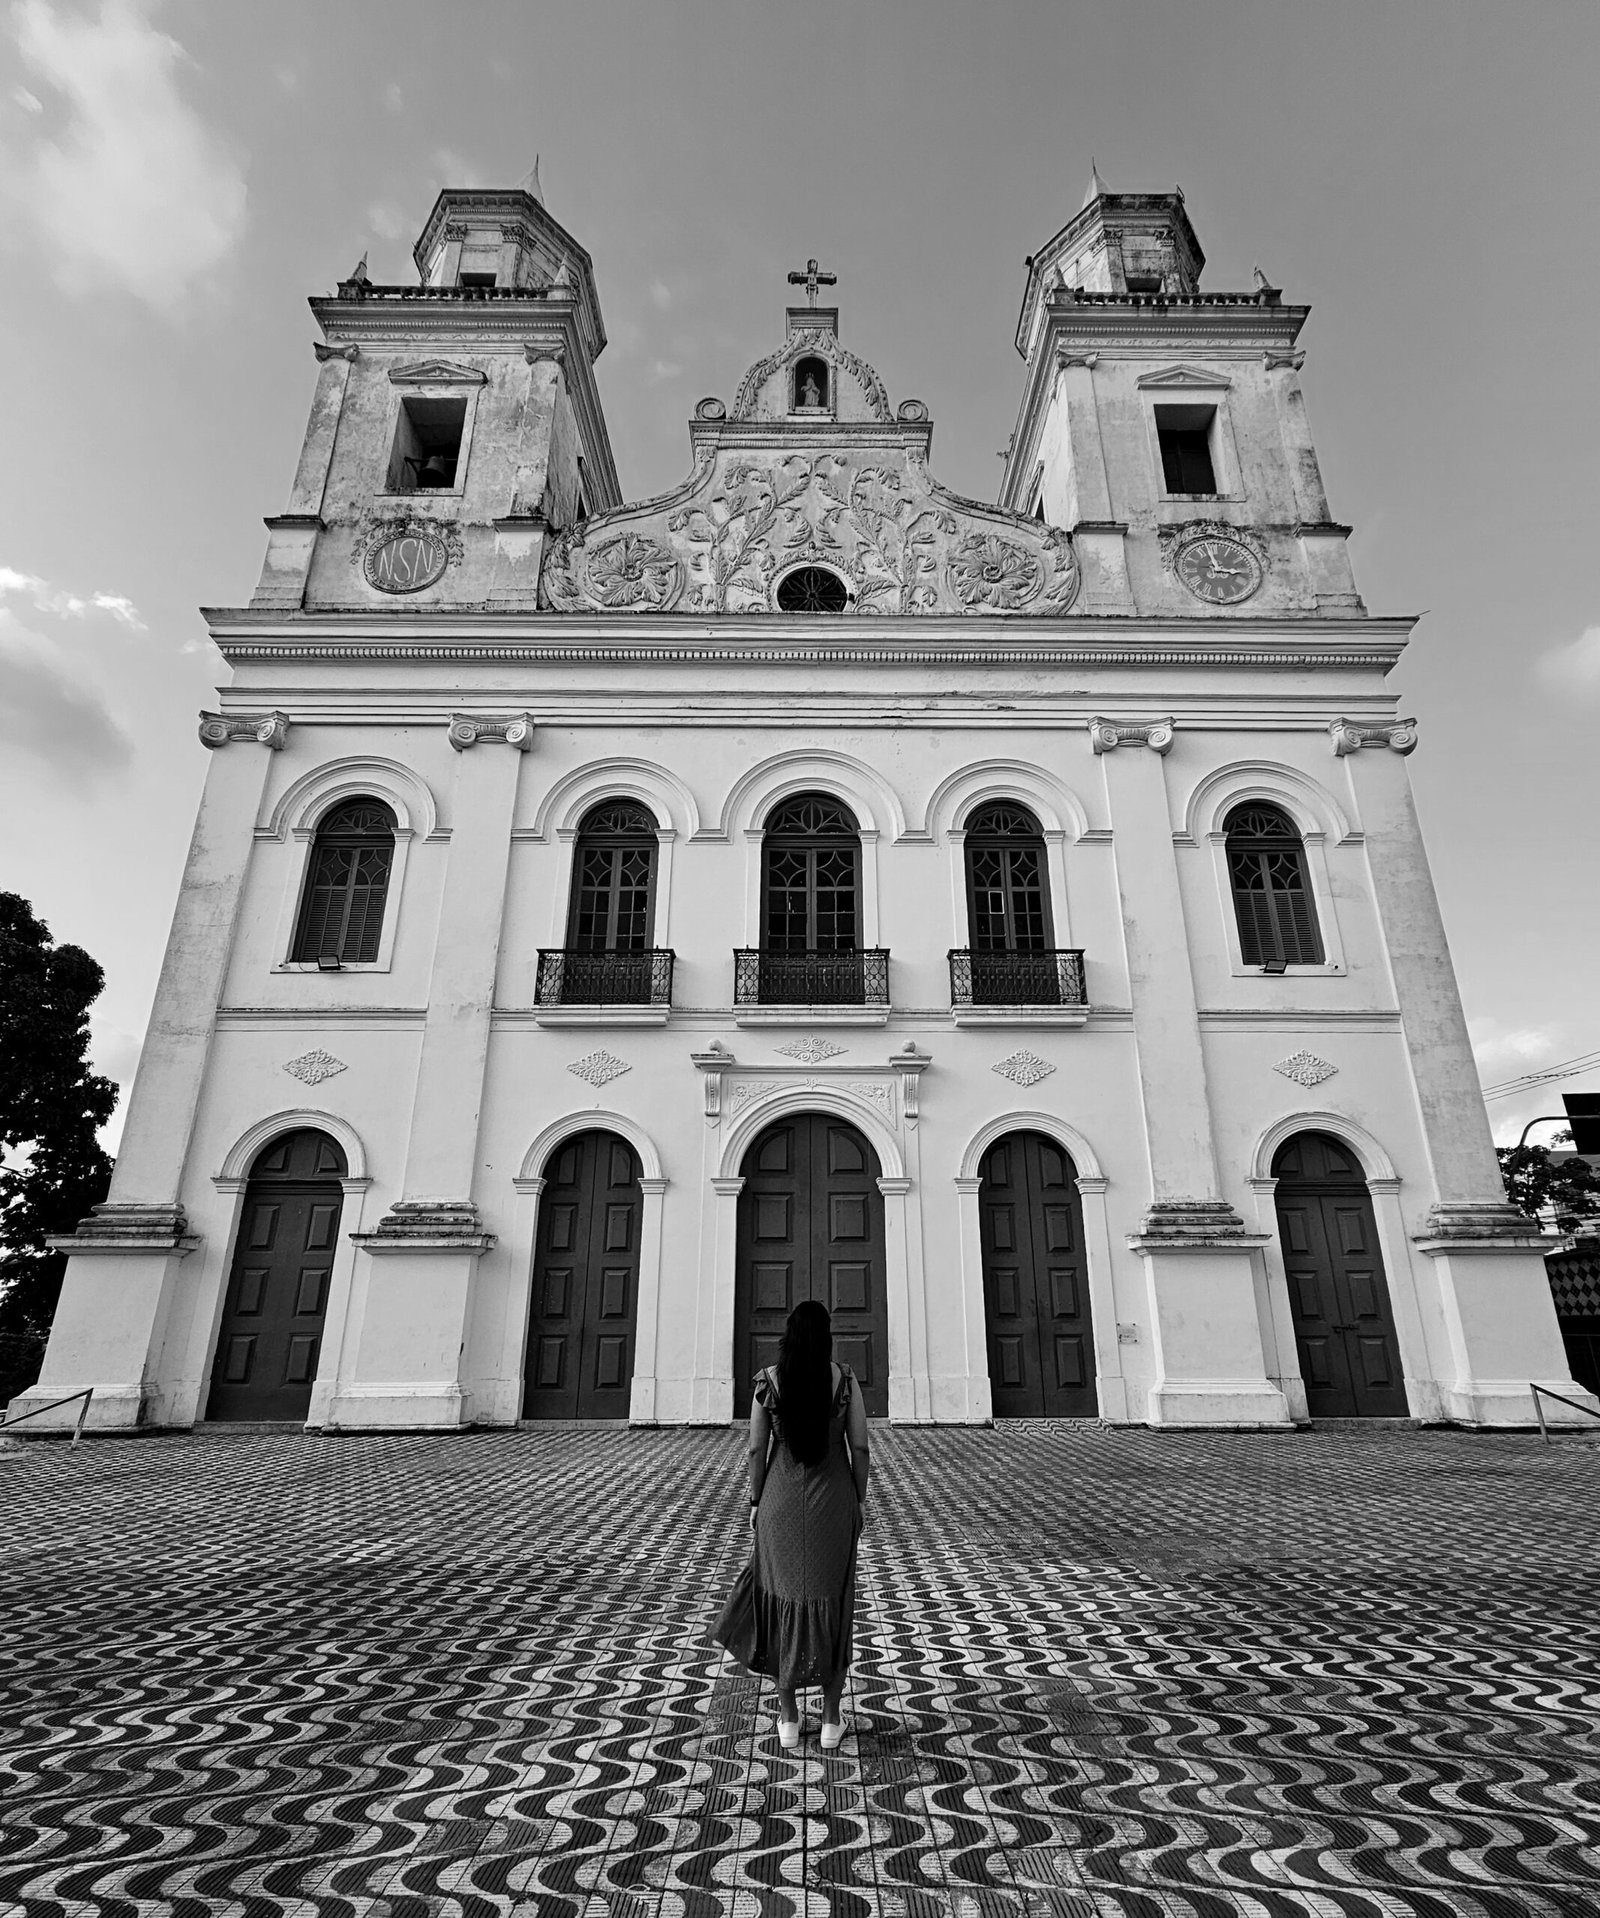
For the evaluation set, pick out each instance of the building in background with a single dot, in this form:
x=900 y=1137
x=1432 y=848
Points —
x=607 y=925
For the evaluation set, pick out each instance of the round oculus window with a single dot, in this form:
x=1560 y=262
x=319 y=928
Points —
x=812 y=589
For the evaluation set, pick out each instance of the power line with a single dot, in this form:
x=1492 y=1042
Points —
x=1563 y=1069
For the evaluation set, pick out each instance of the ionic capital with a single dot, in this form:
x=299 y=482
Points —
x=323 y=351
x=267 y=729
x=553 y=349
x=1068 y=357
x=1399 y=736
x=516 y=729
x=1277 y=357
x=1106 y=735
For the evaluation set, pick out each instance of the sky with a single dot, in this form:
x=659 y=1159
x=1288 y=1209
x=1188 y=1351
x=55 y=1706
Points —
x=176 y=179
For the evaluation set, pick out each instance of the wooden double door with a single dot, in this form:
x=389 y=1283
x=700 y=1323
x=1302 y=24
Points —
x=277 y=1296
x=1035 y=1281
x=585 y=1282
x=811 y=1227
x=1338 y=1294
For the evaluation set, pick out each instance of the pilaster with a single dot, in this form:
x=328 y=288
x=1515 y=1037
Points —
x=426 y=1248
x=124 y=1259
x=1200 y=1264
x=292 y=534
x=519 y=538
x=1487 y=1261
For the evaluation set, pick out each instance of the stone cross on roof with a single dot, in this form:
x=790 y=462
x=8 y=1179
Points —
x=811 y=279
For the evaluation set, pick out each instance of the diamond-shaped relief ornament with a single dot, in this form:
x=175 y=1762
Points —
x=810 y=1050
x=1023 y=1068
x=1305 y=1068
x=313 y=1067
x=599 y=1067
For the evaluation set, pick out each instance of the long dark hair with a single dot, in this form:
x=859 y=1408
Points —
x=805 y=1382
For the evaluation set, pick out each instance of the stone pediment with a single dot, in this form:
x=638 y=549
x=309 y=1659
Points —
x=1182 y=376
x=436 y=373
x=869 y=513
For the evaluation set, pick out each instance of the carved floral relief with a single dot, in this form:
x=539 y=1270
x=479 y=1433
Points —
x=872 y=514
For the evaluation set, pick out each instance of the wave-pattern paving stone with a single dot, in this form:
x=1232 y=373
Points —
x=1101 y=1674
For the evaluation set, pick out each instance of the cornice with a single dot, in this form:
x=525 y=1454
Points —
x=249 y=633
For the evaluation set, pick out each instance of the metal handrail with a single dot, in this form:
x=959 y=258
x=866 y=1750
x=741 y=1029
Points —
x=33 y=1412
x=1543 y=1391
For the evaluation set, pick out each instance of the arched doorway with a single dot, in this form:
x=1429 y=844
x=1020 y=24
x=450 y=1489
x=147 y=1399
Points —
x=1343 y=1322
x=1035 y=1281
x=811 y=1227
x=272 y=1315
x=585 y=1282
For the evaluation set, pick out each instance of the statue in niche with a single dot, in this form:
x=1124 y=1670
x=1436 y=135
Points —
x=810 y=385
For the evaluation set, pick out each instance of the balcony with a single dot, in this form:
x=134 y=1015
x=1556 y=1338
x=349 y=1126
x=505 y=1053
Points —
x=839 y=988
x=604 y=988
x=1018 y=988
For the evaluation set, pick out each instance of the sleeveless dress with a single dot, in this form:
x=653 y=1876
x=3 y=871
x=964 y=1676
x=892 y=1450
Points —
x=803 y=1565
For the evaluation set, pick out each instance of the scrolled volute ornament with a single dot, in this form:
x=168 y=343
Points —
x=266 y=729
x=467 y=729
x=1349 y=736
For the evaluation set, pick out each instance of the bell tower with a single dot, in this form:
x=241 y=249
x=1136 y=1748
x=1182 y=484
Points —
x=456 y=424
x=1164 y=428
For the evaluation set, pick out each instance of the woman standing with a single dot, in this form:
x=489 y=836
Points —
x=791 y=1615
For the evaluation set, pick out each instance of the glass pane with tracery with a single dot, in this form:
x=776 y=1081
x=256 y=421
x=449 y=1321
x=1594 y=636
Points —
x=614 y=879
x=347 y=885
x=811 y=870
x=1006 y=881
x=1271 y=889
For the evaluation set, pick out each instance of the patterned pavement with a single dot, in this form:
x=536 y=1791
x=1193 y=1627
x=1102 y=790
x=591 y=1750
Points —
x=1101 y=1674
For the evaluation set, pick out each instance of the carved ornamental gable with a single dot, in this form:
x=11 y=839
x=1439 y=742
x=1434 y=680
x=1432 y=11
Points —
x=870 y=513
x=812 y=343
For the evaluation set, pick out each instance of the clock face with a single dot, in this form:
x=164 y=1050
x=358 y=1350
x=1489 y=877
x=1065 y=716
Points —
x=1221 y=570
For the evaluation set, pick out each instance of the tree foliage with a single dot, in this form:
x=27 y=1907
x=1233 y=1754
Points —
x=1537 y=1184
x=52 y=1168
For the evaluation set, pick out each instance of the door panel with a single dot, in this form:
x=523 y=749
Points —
x=1338 y=1294
x=1035 y=1289
x=811 y=1188
x=585 y=1283
x=272 y=1316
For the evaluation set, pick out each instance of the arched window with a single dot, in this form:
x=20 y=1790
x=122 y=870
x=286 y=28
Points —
x=1271 y=889
x=341 y=916
x=812 y=589
x=810 y=384
x=613 y=880
x=1008 y=901
x=811 y=877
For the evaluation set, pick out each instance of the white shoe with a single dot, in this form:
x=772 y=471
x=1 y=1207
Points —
x=833 y=1735
x=789 y=1733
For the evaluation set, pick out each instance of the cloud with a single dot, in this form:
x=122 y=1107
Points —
x=45 y=598
x=1575 y=666
x=387 y=220
x=455 y=169
x=661 y=294
x=665 y=370
x=393 y=98
x=42 y=713
x=1506 y=1052
x=137 y=191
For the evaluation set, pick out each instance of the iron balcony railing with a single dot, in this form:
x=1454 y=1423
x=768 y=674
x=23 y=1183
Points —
x=811 y=978
x=1051 y=978
x=569 y=978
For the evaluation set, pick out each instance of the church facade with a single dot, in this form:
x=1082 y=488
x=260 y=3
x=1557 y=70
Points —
x=609 y=924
